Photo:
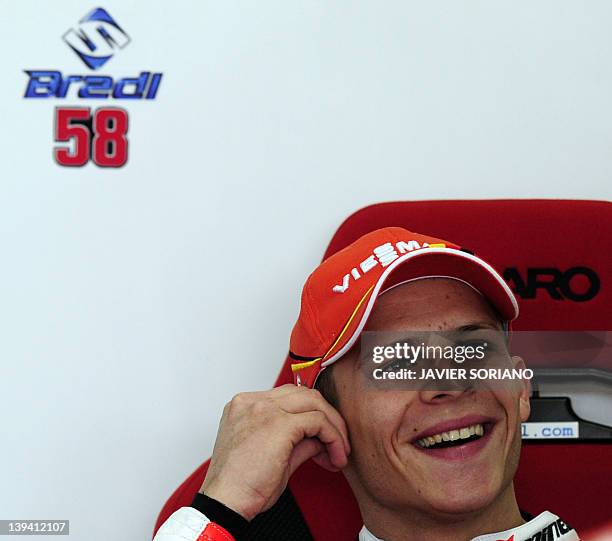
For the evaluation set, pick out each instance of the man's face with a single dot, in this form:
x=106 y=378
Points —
x=387 y=464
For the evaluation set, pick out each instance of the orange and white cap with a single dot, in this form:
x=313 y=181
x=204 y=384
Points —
x=339 y=295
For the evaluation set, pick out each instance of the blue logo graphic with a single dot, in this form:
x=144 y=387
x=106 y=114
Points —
x=97 y=38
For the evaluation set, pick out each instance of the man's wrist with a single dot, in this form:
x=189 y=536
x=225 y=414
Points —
x=240 y=504
x=221 y=514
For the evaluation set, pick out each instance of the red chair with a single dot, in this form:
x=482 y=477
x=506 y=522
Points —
x=555 y=255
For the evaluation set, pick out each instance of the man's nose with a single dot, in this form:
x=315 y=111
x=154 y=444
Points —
x=437 y=396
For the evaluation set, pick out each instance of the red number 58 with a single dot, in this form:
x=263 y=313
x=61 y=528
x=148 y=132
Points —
x=101 y=137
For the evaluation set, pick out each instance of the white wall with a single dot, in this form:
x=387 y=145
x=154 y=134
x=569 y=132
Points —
x=135 y=302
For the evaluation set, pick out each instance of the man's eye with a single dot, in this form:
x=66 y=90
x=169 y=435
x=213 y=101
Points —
x=478 y=343
x=395 y=366
x=487 y=346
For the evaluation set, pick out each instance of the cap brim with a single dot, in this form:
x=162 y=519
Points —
x=428 y=263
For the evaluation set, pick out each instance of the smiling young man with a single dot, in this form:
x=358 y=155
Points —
x=425 y=462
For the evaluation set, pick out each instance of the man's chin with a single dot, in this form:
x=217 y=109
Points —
x=454 y=500
x=460 y=506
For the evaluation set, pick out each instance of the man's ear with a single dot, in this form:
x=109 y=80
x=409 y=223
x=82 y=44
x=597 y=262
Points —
x=525 y=390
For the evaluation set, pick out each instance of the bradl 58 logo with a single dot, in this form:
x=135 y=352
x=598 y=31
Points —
x=97 y=135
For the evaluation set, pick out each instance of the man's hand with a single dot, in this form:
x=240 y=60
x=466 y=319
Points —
x=264 y=437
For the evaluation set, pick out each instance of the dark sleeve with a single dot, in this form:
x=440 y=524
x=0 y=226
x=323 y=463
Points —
x=218 y=513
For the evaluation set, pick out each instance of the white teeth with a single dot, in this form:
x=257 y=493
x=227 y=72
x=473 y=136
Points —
x=452 y=435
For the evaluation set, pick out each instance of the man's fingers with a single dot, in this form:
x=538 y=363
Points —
x=316 y=424
x=322 y=459
x=308 y=448
x=316 y=428
x=309 y=400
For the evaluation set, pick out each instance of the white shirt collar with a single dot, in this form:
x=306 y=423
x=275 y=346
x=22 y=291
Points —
x=544 y=521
